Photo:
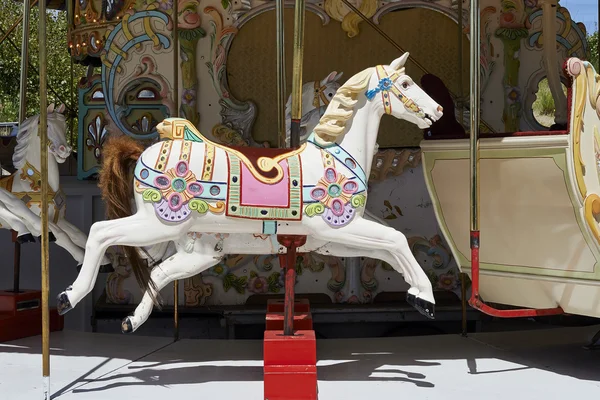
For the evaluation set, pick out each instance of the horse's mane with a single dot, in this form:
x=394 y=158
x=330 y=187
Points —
x=341 y=108
x=26 y=128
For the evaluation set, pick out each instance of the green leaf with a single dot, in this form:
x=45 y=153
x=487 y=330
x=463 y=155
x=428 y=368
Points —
x=314 y=209
x=225 y=4
x=253 y=274
x=391 y=216
x=398 y=210
x=387 y=204
x=198 y=205
x=152 y=195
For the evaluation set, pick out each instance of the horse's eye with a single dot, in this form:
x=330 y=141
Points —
x=330 y=94
x=404 y=85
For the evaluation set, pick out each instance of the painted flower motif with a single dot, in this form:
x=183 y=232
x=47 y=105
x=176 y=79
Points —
x=97 y=135
x=447 y=281
x=513 y=95
x=188 y=97
x=334 y=191
x=258 y=284
x=165 y=4
x=177 y=187
x=219 y=271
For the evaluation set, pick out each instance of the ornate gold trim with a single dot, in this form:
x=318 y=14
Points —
x=592 y=210
x=174 y=128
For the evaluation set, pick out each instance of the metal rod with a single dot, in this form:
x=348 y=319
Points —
x=461 y=95
x=463 y=301
x=176 y=102
x=44 y=170
x=22 y=115
x=299 y=13
x=18 y=21
x=290 y=282
x=281 y=86
x=474 y=115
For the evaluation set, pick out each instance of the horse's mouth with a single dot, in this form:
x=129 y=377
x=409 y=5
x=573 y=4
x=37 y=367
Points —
x=429 y=119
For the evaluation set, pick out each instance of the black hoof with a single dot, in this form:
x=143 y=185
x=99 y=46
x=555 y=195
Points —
x=26 y=238
x=51 y=238
x=423 y=306
x=63 y=305
x=126 y=326
x=106 y=269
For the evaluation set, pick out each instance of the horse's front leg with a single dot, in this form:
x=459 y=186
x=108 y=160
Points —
x=138 y=230
x=77 y=237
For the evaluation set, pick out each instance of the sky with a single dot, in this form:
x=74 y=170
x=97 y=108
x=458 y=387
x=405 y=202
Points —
x=585 y=11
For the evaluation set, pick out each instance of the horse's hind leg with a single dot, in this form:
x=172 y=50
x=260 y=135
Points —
x=367 y=238
x=137 y=230
x=180 y=266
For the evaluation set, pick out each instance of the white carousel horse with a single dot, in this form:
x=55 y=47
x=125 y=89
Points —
x=315 y=99
x=190 y=184
x=20 y=193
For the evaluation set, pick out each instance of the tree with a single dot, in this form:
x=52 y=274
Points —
x=593 y=44
x=58 y=66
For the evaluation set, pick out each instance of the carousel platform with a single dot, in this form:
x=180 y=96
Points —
x=534 y=364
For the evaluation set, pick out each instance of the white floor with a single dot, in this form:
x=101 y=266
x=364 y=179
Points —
x=527 y=365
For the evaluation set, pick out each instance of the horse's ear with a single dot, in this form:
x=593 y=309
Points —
x=330 y=78
x=338 y=76
x=61 y=109
x=399 y=62
x=51 y=108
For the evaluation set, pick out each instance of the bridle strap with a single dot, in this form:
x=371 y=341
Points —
x=387 y=85
x=320 y=95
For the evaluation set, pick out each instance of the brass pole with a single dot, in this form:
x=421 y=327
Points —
x=474 y=115
x=176 y=103
x=460 y=101
x=18 y=21
x=280 y=28
x=44 y=167
x=297 y=73
x=22 y=114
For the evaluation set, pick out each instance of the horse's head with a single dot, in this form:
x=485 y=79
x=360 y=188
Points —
x=329 y=86
x=398 y=95
x=57 y=129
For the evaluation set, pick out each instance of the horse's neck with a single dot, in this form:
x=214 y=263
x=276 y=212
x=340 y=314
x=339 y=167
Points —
x=360 y=138
x=33 y=159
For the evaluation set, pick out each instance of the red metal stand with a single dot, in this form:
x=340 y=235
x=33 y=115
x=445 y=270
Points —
x=290 y=346
x=478 y=304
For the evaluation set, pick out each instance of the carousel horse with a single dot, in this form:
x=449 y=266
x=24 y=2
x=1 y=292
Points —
x=208 y=198
x=20 y=193
x=315 y=99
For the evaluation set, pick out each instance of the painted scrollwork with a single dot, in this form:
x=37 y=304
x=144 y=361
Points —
x=134 y=30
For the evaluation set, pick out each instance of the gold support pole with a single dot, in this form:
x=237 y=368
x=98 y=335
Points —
x=280 y=27
x=461 y=95
x=44 y=167
x=297 y=73
x=176 y=114
x=475 y=96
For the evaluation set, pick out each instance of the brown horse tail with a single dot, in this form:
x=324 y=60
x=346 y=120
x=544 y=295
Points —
x=120 y=155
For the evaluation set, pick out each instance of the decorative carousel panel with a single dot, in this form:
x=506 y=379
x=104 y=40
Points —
x=92 y=132
x=251 y=78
